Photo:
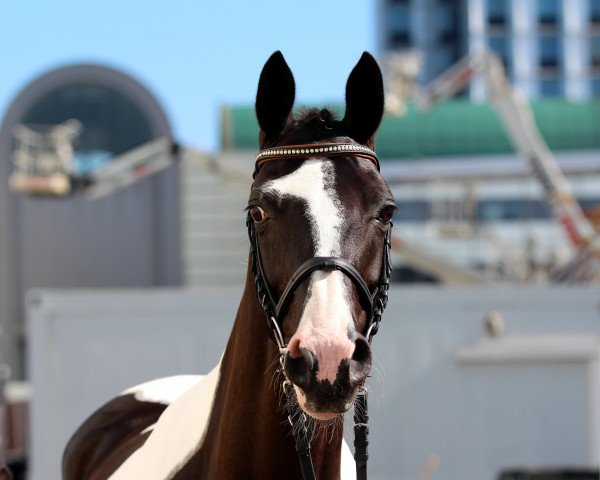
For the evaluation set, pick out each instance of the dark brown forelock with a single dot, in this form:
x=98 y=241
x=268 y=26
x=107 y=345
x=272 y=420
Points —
x=316 y=117
x=310 y=125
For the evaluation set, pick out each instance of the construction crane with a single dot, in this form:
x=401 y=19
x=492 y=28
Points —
x=517 y=118
x=46 y=163
x=131 y=167
x=43 y=158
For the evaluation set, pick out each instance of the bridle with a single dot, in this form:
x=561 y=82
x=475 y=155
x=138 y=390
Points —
x=373 y=303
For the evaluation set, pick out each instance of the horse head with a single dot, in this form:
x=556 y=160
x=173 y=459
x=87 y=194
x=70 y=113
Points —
x=320 y=222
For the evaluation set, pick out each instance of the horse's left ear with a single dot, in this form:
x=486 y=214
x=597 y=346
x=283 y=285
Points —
x=364 y=100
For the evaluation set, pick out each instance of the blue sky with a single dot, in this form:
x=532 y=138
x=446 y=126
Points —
x=193 y=55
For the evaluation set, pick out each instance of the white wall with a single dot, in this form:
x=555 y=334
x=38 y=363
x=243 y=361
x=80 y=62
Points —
x=438 y=387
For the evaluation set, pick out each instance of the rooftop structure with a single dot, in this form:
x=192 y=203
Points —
x=453 y=128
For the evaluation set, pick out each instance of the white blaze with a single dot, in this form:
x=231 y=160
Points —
x=326 y=320
x=308 y=183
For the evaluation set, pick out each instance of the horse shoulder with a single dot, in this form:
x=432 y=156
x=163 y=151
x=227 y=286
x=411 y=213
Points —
x=120 y=427
x=178 y=434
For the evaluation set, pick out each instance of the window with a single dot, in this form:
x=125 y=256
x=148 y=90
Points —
x=497 y=12
x=112 y=123
x=448 y=24
x=595 y=52
x=398 y=27
x=400 y=40
x=550 y=52
x=596 y=88
x=589 y=203
x=548 y=12
x=511 y=210
x=595 y=12
x=412 y=211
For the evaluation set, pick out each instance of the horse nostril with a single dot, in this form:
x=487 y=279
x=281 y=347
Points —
x=309 y=358
x=362 y=351
x=360 y=363
x=299 y=369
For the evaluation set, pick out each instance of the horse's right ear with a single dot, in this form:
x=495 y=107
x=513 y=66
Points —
x=275 y=97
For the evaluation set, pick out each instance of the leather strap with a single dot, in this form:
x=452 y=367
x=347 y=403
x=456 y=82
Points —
x=373 y=303
x=297 y=419
x=327 y=264
x=328 y=150
x=361 y=433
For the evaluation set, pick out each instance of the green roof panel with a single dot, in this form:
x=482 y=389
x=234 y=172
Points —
x=457 y=127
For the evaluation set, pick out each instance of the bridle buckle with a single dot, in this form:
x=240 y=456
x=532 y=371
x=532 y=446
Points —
x=281 y=345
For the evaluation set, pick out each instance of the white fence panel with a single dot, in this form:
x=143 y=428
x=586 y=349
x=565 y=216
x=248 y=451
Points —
x=441 y=391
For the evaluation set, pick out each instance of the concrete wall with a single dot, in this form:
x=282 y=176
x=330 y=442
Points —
x=441 y=391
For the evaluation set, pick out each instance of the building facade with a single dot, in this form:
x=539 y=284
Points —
x=551 y=48
x=128 y=239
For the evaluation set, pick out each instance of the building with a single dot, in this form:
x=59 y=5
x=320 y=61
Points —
x=128 y=239
x=465 y=197
x=438 y=29
x=551 y=48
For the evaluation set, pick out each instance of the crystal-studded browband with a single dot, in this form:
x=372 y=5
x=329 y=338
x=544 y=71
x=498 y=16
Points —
x=311 y=150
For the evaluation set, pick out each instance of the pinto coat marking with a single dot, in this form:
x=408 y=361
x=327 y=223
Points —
x=232 y=424
x=177 y=435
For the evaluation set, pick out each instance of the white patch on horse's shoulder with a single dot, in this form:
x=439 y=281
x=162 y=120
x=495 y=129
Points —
x=163 y=390
x=177 y=435
x=347 y=464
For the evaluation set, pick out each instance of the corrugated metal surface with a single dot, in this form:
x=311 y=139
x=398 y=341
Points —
x=214 y=238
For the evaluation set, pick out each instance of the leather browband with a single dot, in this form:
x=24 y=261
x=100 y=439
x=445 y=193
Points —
x=313 y=149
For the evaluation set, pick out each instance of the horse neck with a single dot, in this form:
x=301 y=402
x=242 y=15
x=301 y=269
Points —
x=249 y=425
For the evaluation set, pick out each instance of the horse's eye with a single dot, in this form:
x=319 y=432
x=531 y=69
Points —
x=257 y=214
x=386 y=214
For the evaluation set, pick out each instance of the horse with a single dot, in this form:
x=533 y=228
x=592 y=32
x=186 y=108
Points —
x=319 y=221
x=5 y=473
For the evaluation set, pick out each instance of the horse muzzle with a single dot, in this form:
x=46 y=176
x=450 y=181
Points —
x=324 y=396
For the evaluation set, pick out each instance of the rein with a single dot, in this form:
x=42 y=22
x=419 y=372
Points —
x=374 y=303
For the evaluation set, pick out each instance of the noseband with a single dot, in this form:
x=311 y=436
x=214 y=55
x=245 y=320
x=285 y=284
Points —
x=373 y=303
